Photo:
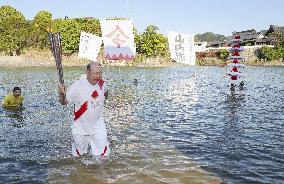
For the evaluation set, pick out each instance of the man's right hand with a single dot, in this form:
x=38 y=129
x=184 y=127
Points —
x=62 y=93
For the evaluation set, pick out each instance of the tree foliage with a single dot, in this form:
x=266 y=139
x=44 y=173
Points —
x=41 y=25
x=90 y=25
x=70 y=31
x=223 y=53
x=17 y=33
x=151 y=43
x=14 y=30
x=276 y=53
x=269 y=53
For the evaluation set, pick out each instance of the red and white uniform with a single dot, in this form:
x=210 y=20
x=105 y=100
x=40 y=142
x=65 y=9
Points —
x=88 y=127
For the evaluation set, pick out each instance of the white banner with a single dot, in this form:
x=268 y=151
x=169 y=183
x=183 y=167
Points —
x=182 y=47
x=89 y=46
x=118 y=39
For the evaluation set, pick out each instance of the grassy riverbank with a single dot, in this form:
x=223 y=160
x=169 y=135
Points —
x=43 y=58
x=36 y=57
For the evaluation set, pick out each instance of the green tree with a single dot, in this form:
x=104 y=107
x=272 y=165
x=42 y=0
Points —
x=70 y=34
x=276 y=53
x=223 y=54
x=13 y=30
x=90 y=25
x=281 y=45
x=268 y=53
x=41 y=25
x=151 y=43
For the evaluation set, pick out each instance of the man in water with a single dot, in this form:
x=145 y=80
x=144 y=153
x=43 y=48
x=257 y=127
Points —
x=241 y=86
x=14 y=100
x=88 y=128
x=135 y=81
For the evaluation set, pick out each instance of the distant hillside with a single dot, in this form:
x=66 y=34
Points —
x=209 y=37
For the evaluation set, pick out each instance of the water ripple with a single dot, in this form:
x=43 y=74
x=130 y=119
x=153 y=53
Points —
x=177 y=125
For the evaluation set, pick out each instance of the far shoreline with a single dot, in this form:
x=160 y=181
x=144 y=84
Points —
x=74 y=61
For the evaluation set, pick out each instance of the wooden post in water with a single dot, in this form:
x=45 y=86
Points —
x=55 y=46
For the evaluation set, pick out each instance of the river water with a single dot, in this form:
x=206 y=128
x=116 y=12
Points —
x=179 y=124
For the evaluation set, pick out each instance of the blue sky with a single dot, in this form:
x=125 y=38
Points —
x=187 y=16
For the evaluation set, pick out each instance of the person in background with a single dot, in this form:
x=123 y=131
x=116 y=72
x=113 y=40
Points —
x=88 y=128
x=14 y=100
x=135 y=81
x=241 y=86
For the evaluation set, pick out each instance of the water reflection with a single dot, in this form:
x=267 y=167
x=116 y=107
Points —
x=235 y=100
x=233 y=129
